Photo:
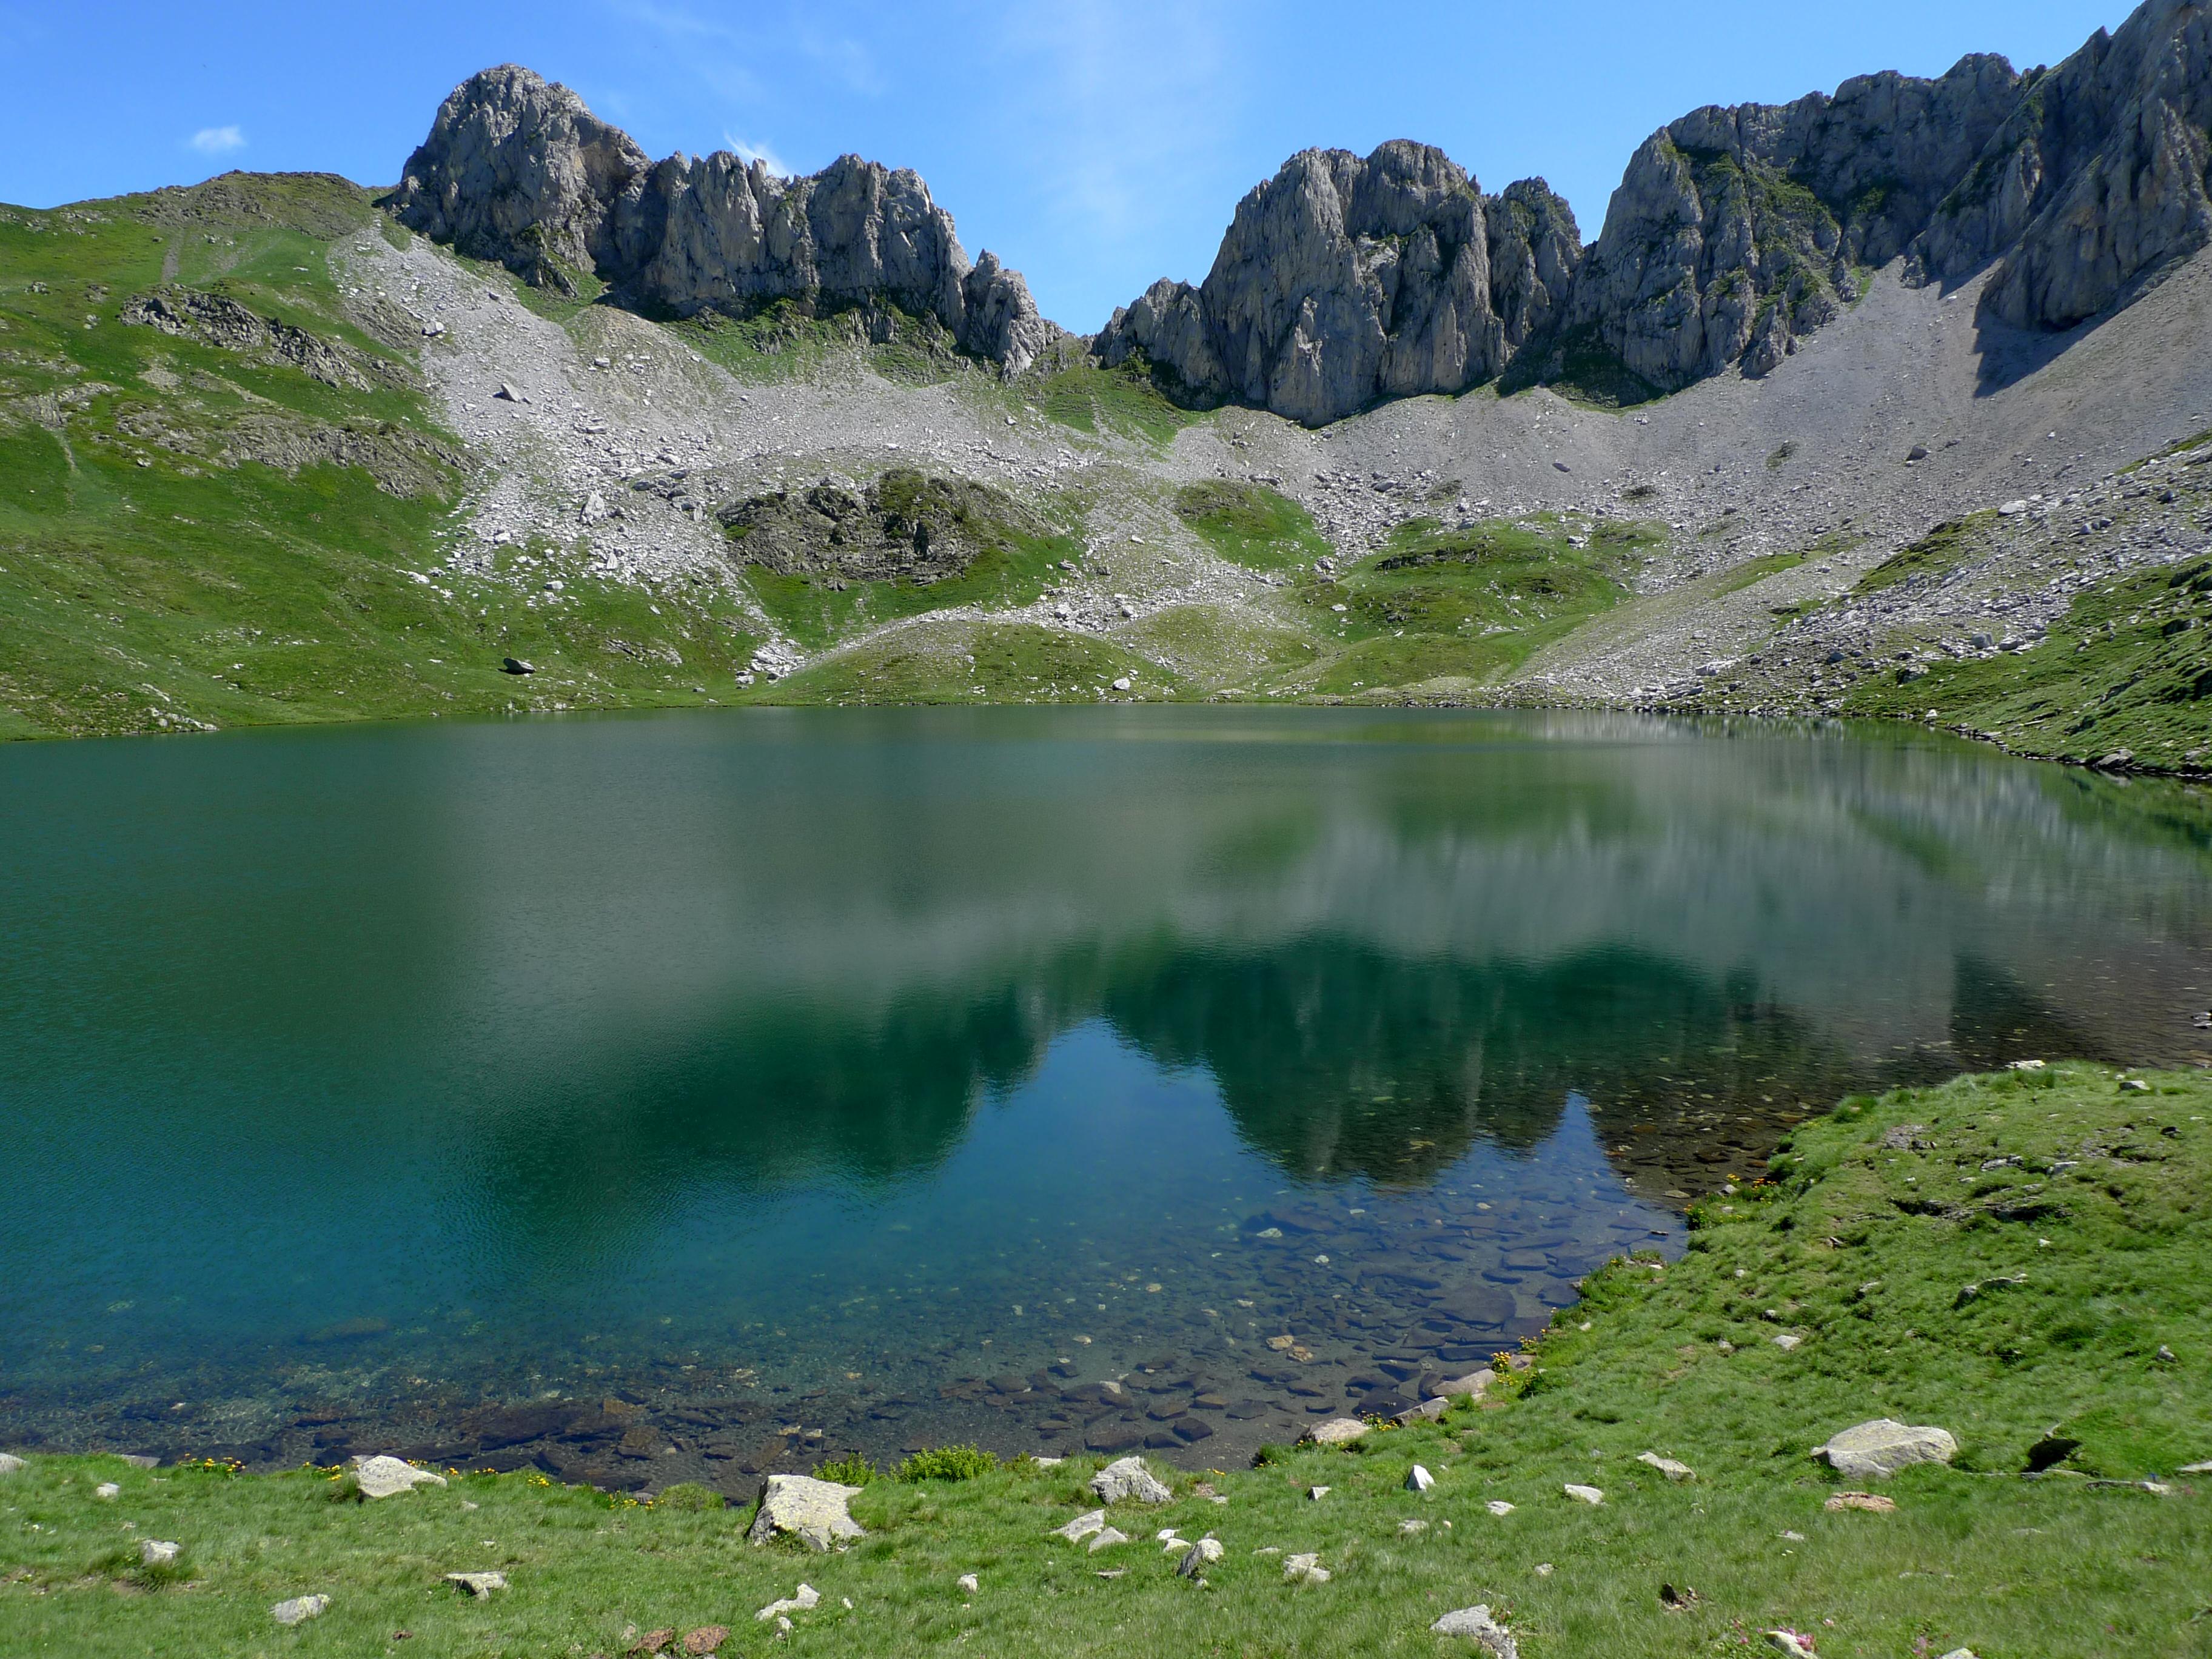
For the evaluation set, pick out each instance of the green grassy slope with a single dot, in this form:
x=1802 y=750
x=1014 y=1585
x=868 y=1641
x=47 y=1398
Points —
x=1879 y=1218
x=154 y=576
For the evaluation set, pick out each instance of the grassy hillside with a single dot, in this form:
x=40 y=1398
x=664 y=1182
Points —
x=193 y=534
x=2070 y=1200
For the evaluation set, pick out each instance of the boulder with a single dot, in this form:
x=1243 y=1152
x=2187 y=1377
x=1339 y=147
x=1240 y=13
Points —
x=1127 y=1477
x=300 y=1609
x=804 y=1508
x=1337 y=1431
x=1487 y=1633
x=387 y=1477
x=1877 y=1450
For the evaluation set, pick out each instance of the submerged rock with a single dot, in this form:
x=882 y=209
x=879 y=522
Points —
x=804 y=1508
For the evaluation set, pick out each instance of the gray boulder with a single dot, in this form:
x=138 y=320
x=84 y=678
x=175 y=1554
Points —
x=518 y=170
x=804 y=1508
x=1127 y=1477
x=1877 y=1450
x=300 y=1609
x=1487 y=1633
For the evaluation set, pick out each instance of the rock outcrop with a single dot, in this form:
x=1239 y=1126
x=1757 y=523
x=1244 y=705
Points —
x=518 y=170
x=1734 y=233
x=1344 y=280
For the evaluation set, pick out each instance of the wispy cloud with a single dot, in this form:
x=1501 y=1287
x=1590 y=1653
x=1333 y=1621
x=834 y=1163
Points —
x=750 y=153
x=217 y=141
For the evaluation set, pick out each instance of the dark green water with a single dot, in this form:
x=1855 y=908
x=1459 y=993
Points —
x=570 y=1091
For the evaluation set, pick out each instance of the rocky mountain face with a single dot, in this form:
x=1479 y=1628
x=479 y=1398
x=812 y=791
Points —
x=518 y=170
x=1343 y=280
x=1735 y=232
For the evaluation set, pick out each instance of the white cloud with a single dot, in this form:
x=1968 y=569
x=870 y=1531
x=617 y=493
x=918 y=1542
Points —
x=218 y=141
x=750 y=153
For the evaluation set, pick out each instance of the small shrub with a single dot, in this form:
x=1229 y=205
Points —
x=688 y=1495
x=1268 y=1453
x=948 y=1463
x=850 y=1470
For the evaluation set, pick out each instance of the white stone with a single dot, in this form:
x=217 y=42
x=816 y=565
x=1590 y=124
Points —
x=10 y=1463
x=1337 y=1431
x=1081 y=1527
x=1316 y=1493
x=477 y=1584
x=1409 y=1528
x=1584 y=1494
x=807 y=1509
x=1487 y=1633
x=300 y=1609
x=1786 y=1341
x=967 y=1580
x=1419 y=1478
x=107 y=1489
x=1877 y=1450
x=806 y=1597
x=1790 y=1642
x=1205 y=1551
x=155 y=1552
x=1305 y=1570
x=1668 y=1465
x=1499 y=1506
x=1127 y=1477
x=1107 y=1539
x=387 y=1477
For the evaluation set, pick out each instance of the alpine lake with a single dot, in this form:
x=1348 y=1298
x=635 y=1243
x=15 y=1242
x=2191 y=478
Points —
x=686 y=1096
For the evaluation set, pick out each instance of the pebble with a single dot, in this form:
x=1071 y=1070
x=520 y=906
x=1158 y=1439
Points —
x=300 y=1609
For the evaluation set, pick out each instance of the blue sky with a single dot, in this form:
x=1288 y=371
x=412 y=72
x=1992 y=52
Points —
x=1094 y=147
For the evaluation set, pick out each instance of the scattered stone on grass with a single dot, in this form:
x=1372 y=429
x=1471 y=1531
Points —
x=158 y=1552
x=1871 y=1502
x=2194 y=1468
x=1543 y=1570
x=1427 y=1411
x=707 y=1638
x=10 y=1463
x=1337 y=1431
x=1875 y=1450
x=1107 y=1539
x=1668 y=1465
x=1412 y=1525
x=1305 y=1570
x=799 y=1600
x=1584 y=1494
x=1786 y=1341
x=1473 y=1385
x=1206 y=1551
x=387 y=1477
x=1127 y=1477
x=653 y=1640
x=106 y=1489
x=1081 y=1527
x=300 y=1609
x=807 y=1509
x=1485 y=1632
x=1419 y=1478
x=1794 y=1643
x=477 y=1585
x=1499 y=1506
x=968 y=1582
x=1960 y=1653
x=1678 y=1599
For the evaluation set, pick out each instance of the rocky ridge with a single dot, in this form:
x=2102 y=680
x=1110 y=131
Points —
x=518 y=170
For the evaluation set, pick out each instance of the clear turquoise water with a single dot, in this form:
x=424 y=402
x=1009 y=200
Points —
x=787 y=1070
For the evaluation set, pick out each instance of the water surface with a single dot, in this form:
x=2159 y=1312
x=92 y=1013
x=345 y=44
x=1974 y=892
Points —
x=688 y=1095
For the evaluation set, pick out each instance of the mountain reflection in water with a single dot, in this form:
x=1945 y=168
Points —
x=627 y=1053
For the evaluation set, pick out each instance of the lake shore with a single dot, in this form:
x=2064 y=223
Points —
x=2017 y=1259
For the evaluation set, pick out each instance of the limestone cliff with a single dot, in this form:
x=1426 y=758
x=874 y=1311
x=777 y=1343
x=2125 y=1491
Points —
x=518 y=170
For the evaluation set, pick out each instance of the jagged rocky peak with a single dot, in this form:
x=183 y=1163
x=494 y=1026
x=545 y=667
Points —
x=516 y=169
x=1345 y=279
x=1735 y=231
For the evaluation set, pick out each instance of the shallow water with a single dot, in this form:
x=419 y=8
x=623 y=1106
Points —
x=688 y=1095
